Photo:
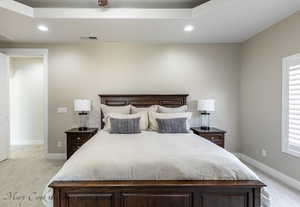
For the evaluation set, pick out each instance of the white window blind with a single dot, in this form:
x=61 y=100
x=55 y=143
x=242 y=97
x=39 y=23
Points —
x=291 y=105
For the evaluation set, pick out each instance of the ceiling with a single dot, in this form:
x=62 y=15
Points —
x=214 y=21
x=113 y=3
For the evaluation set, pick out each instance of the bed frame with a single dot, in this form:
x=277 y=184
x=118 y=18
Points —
x=155 y=193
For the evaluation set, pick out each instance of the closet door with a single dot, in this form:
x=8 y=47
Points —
x=4 y=107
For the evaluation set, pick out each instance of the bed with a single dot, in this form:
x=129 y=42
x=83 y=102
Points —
x=153 y=170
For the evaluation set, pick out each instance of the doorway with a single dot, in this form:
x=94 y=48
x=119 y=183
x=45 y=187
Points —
x=28 y=102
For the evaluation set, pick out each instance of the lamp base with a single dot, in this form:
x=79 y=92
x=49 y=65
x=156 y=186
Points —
x=205 y=128
x=204 y=121
x=83 y=128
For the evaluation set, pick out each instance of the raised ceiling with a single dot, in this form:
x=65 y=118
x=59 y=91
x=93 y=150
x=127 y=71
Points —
x=113 y=3
x=215 y=21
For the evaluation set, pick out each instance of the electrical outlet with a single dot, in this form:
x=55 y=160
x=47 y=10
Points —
x=59 y=144
x=264 y=153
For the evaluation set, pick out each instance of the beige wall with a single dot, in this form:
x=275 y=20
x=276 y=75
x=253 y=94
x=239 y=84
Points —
x=249 y=78
x=26 y=101
x=261 y=94
x=86 y=70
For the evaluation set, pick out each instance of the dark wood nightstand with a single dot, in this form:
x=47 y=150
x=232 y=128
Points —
x=214 y=135
x=76 y=138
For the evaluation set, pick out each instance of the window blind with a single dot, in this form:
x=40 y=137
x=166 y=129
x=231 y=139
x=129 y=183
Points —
x=294 y=106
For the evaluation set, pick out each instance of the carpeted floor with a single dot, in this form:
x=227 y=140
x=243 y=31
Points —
x=25 y=174
x=281 y=195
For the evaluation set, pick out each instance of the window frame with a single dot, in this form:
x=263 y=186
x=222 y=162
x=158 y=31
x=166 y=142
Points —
x=285 y=147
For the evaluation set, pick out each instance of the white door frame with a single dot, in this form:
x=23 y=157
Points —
x=4 y=116
x=32 y=52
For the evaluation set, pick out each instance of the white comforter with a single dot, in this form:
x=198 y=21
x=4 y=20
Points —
x=151 y=156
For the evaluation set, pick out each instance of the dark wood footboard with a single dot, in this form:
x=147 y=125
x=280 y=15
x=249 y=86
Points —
x=157 y=194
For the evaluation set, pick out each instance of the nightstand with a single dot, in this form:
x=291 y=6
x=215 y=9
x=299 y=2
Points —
x=76 y=138
x=214 y=135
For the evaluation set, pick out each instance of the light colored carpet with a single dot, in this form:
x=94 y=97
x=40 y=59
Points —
x=24 y=176
x=281 y=194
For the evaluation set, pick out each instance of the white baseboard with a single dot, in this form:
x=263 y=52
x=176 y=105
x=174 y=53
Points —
x=28 y=142
x=56 y=156
x=270 y=171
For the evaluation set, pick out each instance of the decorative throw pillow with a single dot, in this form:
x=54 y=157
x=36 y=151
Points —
x=176 y=125
x=153 y=125
x=163 y=109
x=144 y=123
x=125 y=126
x=115 y=109
x=135 y=110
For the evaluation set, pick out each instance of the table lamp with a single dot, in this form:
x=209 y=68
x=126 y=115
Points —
x=82 y=106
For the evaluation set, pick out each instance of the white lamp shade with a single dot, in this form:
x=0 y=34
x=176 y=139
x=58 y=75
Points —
x=82 y=105
x=206 y=105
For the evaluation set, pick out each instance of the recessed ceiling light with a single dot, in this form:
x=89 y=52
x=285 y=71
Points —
x=188 y=28
x=43 y=28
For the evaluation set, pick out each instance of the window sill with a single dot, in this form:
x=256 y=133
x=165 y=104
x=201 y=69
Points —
x=293 y=152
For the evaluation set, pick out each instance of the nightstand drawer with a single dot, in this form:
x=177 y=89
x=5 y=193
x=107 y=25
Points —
x=77 y=138
x=75 y=148
x=219 y=143
x=213 y=137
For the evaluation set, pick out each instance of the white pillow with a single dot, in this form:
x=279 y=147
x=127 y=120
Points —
x=115 y=109
x=153 y=125
x=135 y=110
x=163 y=109
x=143 y=121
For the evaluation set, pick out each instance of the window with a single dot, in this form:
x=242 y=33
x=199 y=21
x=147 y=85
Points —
x=291 y=105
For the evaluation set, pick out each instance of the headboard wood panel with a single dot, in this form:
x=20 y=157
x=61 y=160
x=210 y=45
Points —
x=142 y=100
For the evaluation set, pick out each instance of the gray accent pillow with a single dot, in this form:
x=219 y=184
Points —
x=176 y=125
x=125 y=126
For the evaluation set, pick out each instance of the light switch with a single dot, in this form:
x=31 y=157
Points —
x=62 y=110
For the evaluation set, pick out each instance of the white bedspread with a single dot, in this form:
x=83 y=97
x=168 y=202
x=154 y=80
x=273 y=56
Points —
x=151 y=156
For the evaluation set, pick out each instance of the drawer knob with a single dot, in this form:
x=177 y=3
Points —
x=78 y=138
x=213 y=138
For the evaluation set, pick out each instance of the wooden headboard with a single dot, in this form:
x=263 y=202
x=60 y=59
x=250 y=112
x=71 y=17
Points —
x=142 y=100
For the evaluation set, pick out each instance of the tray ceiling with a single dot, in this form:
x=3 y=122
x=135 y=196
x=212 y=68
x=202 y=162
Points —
x=113 y=3
x=217 y=21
